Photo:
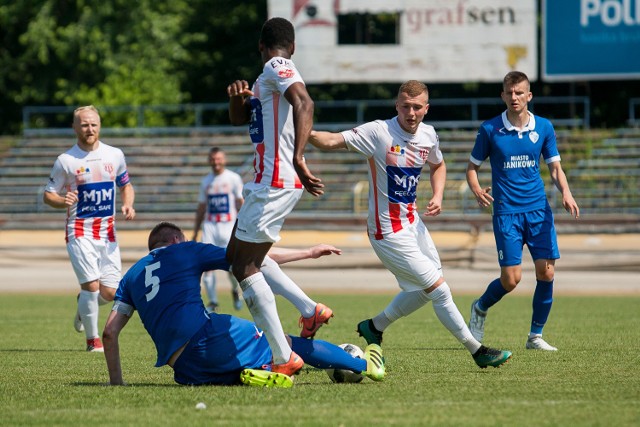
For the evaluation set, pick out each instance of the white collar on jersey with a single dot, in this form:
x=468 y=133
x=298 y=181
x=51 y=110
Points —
x=508 y=126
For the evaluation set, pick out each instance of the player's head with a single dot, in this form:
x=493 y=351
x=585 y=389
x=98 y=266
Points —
x=513 y=78
x=86 y=125
x=516 y=91
x=277 y=34
x=165 y=234
x=217 y=160
x=412 y=105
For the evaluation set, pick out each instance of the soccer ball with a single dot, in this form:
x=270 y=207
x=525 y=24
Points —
x=343 y=375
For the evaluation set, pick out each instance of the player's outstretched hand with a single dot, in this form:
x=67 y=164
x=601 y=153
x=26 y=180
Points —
x=322 y=250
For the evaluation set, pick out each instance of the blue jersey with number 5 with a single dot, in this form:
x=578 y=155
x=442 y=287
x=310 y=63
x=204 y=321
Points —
x=164 y=287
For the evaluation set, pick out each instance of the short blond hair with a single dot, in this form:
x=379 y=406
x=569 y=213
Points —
x=79 y=110
x=413 y=88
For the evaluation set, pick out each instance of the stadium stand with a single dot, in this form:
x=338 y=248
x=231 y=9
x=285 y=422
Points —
x=602 y=167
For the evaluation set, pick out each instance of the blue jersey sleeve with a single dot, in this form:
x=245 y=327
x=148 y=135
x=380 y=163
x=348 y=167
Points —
x=482 y=146
x=549 y=144
x=209 y=257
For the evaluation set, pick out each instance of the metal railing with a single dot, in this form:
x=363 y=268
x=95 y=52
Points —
x=170 y=119
x=634 y=119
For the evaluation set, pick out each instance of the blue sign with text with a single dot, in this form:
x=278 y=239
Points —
x=591 y=39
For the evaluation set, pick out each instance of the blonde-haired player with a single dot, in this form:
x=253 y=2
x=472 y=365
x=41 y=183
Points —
x=83 y=181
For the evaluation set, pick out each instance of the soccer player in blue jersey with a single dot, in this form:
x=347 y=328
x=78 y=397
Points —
x=514 y=142
x=210 y=348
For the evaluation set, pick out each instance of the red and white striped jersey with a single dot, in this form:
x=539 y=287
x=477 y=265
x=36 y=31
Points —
x=95 y=175
x=219 y=194
x=271 y=126
x=395 y=160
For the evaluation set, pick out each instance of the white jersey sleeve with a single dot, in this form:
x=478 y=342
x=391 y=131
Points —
x=57 y=178
x=364 y=137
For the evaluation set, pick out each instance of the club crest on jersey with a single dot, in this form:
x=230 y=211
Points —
x=424 y=153
x=108 y=167
x=533 y=136
x=397 y=150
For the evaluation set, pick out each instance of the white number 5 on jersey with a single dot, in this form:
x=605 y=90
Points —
x=151 y=280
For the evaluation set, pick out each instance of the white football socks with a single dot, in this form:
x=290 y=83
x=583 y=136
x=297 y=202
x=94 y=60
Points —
x=450 y=317
x=282 y=285
x=402 y=305
x=262 y=304
x=88 y=310
x=234 y=282
x=209 y=280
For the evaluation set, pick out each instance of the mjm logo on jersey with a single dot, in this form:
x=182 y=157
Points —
x=402 y=184
x=218 y=203
x=96 y=200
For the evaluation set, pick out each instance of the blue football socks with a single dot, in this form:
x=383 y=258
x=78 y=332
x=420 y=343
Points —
x=492 y=295
x=542 y=300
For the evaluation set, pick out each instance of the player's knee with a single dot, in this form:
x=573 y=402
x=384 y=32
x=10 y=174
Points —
x=509 y=283
x=545 y=276
x=106 y=295
x=545 y=271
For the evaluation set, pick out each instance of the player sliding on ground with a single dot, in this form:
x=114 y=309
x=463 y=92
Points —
x=210 y=348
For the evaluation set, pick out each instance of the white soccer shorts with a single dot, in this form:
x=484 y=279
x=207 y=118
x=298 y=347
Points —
x=264 y=211
x=217 y=233
x=95 y=260
x=411 y=256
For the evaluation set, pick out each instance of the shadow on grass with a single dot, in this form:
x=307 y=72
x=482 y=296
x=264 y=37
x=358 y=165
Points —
x=129 y=385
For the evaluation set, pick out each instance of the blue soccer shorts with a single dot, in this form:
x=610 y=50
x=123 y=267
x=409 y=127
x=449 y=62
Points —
x=535 y=229
x=223 y=347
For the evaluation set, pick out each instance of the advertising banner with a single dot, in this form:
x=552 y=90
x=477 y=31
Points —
x=590 y=39
x=359 y=41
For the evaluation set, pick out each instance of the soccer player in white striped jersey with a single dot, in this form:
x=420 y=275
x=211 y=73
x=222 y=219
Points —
x=219 y=200
x=279 y=112
x=83 y=181
x=396 y=150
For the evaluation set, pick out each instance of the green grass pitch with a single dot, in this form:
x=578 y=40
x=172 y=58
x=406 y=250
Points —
x=46 y=377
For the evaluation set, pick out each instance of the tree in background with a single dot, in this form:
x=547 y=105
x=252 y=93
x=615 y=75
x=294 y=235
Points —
x=119 y=52
x=151 y=52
